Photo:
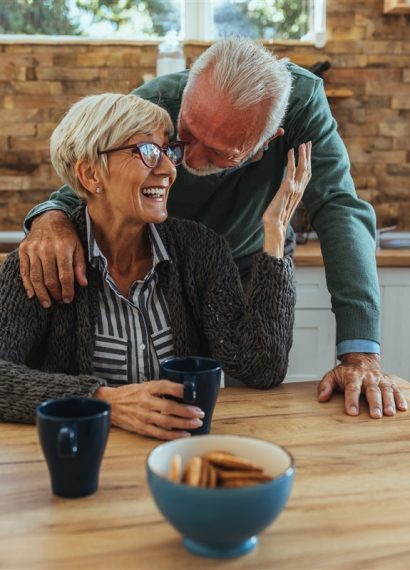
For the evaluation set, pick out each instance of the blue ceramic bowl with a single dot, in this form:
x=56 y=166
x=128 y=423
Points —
x=221 y=523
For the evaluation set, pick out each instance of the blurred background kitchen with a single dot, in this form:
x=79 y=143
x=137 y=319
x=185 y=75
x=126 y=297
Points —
x=52 y=52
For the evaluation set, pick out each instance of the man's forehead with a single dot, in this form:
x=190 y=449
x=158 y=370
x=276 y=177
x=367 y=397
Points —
x=213 y=133
x=211 y=118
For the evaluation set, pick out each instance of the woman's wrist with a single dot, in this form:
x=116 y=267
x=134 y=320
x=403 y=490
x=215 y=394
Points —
x=274 y=239
x=102 y=393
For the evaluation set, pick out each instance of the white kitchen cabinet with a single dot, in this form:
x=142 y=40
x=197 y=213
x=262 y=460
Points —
x=395 y=338
x=314 y=336
x=314 y=352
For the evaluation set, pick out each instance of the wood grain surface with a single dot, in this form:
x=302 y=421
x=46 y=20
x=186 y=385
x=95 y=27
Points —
x=349 y=509
x=309 y=255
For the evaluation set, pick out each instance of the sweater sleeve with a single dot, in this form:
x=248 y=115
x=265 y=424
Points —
x=345 y=224
x=64 y=200
x=23 y=327
x=250 y=334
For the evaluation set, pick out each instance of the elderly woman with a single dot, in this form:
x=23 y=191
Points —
x=156 y=287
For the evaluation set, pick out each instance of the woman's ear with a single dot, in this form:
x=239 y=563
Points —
x=88 y=175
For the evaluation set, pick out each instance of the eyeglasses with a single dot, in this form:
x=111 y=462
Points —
x=151 y=153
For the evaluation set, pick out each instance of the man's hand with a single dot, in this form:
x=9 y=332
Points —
x=50 y=257
x=360 y=373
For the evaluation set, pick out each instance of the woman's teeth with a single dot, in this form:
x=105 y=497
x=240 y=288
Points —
x=154 y=192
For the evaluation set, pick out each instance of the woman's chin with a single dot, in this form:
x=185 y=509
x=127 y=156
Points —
x=157 y=217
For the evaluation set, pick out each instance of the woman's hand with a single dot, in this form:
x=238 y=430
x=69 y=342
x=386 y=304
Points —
x=280 y=211
x=141 y=408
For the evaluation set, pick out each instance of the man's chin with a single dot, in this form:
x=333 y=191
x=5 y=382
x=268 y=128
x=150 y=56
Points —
x=204 y=171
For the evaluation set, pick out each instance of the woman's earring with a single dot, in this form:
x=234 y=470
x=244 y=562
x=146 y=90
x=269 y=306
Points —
x=98 y=190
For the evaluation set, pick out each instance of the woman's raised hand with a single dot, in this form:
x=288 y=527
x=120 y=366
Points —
x=141 y=408
x=280 y=211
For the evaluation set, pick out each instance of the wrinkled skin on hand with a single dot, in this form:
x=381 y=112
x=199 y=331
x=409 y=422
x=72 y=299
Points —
x=361 y=374
x=142 y=409
x=51 y=257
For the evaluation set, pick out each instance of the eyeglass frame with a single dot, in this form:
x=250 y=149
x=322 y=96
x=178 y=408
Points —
x=162 y=150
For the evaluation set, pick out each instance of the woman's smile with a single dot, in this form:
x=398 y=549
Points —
x=156 y=193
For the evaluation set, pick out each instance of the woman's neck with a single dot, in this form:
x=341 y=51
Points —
x=126 y=246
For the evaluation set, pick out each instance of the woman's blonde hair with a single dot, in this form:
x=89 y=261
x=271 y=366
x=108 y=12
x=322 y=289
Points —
x=99 y=122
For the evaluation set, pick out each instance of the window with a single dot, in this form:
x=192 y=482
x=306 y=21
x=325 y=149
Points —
x=152 y=19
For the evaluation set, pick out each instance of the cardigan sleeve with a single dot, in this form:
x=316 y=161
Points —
x=23 y=327
x=249 y=333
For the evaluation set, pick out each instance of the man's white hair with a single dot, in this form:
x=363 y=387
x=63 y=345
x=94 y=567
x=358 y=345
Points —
x=99 y=122
x=246 y=74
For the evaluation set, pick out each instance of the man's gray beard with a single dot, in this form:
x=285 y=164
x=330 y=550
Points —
x=204 y=171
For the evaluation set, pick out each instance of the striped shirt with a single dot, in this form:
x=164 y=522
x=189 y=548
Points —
x=133 y=334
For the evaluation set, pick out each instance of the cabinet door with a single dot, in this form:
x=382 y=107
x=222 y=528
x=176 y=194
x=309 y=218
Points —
x=311 y=288
x=395 y=302
x=313 y=352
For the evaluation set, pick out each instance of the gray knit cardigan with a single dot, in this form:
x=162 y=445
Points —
x=48 y=353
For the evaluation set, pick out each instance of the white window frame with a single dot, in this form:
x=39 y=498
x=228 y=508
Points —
x=198 y=21
x=197 y=25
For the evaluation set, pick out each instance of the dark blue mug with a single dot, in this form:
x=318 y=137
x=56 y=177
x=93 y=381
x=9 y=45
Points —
x=73 y=434
x=201 y=378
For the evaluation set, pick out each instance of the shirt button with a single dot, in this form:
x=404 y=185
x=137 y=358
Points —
x=142 y=346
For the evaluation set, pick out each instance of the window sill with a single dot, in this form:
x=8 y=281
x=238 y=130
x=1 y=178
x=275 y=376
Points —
x=77 y=40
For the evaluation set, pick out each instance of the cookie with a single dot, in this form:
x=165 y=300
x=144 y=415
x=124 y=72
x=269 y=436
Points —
x=175 y=469
x=193 y=470
x=230 y=461
x=243 y=475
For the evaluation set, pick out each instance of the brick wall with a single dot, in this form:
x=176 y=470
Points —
x=369 y=52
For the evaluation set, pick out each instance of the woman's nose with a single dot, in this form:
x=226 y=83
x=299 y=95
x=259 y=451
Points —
x=165 y=166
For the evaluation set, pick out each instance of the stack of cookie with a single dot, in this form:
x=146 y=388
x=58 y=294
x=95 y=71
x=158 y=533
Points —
x=217 y=469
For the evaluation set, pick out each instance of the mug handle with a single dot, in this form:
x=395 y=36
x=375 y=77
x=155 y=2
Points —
x=189 y=390
x=67 y=441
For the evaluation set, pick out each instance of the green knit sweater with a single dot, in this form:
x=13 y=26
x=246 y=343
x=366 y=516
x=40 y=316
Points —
x=48 y=353
x=233 y=204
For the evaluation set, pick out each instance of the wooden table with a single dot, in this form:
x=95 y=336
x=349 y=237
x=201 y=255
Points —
x=349 y=509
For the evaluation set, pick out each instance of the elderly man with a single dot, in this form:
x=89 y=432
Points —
x=239 y=110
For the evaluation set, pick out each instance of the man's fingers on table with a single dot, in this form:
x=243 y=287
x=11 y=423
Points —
x=400 y=399
x=374 y=398
x=326 y=386
x=388 y=399
x=353 y=390
x=392 y=396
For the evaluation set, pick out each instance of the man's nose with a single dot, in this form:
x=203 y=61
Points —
x=195 y=154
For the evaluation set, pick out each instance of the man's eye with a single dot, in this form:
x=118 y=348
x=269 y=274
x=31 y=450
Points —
x=184 y=135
